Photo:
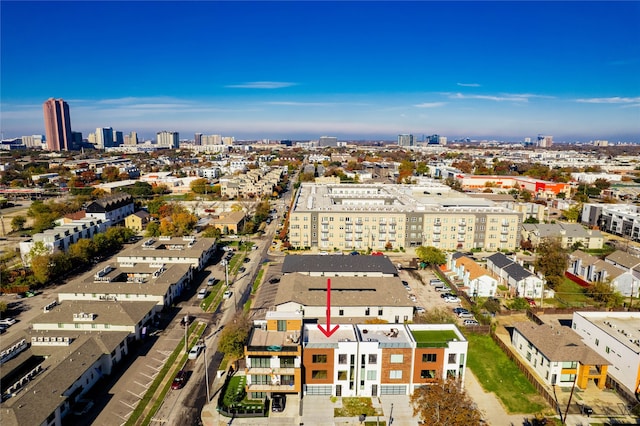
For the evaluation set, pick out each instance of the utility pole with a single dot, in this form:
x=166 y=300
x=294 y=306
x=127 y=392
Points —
x=391 y=415
x=186 y=326
x=206 y=373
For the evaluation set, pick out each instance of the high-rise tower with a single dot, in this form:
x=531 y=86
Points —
x=57 y=124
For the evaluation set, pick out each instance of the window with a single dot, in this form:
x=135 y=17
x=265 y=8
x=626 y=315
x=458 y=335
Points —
x=371 y=374
x=318 y=374
x=342 y=359
x=319 y=359
x=367 y=312
x=427 y=374
x=570 y=364
x=342 y=375
x=395 y=374
x=597 y=342
x=452 y=358
x=429 y=357
x=606 y=349
x=341 y=312
x=282 y=325
x=373 y=359
x=379 y=311
x=397 y=358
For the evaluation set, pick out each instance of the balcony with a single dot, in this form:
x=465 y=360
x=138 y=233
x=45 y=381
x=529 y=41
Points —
x=267 y=371
x=462 y=231
x=504 y=231
x=272 y=388
x=436 y=230
x=274 y=350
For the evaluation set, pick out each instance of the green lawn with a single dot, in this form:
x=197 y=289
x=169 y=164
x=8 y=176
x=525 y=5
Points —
x=497 y=373
x=433 y=338
x=571 y=294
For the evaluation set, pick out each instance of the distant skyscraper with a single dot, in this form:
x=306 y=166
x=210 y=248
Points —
x=131 y=139
x=118 y=138
x=328 y=141
x=104 y=137
x=33 y=141
x=405 y=140
x=434 y=140
x=57 y=124
x=545 y=141
x=198 y=139
x=77 y=139
x=168 y=139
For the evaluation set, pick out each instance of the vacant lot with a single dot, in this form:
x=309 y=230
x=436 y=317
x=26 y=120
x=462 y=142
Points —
x=497 y=373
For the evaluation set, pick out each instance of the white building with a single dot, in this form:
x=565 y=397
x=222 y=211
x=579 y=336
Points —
x=168 y=139
x=476 y=280
x=616 y=337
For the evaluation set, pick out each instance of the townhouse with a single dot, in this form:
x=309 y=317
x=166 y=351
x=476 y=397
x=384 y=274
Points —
x=618 y=219
x=380 y=359
x=138 y=221
x=113 y=208
x=376 y=216
x=273 y=355
x=520 y=281
x=558 y=355
x=476 y=279
x=589 y=269
x=616 y=337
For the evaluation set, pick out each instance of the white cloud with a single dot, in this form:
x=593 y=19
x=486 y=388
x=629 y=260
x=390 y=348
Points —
x=468 y=84
x=430 y=104
x=293 y=103
x=262 y=85
x=502 y=97
x=611 y=100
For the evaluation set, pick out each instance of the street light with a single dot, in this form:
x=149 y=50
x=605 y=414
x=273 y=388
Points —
x=206 y=372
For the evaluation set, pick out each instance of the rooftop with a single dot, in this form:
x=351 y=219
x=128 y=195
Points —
x=338 y=264
x=313 y=337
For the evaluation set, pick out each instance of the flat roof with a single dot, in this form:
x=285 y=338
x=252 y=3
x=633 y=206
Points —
x=338 y=264
x=104 y=312
x=384 y=334
x=162 y=246
x=622 y=326
x=313 y=337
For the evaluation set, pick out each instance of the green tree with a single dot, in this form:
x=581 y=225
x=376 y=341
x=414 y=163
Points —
x=82 y=250
x=445 y=403
x=153 y=229
x=603 y=292
x=531 y=219
x=234 y=336
x=519 y=304
x=17 y=223
x=154 y=206
x=199 y=186
x=40 y=268
x=572 y=214
x=431 y=255
x=551 y=260
x=525 y=195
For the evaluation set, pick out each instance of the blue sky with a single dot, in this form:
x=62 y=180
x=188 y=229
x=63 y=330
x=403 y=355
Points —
x=504 y=70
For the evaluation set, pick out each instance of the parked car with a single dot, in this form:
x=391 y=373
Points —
x=435 y=281
x=195 y=351
x=445 y=289
x=445 y=295
x=419 y=310
x=458 y=310
x=179 y=380
x=242 y=269
x=211 y=281
x=8 y=321
x=202 y=293
x=227 y=294
x=454 y=299
x=406 y=285
x=278 y=402
x=466 y=314
x=530 y=301
x=470 y=322
x=274 y=280
x=246 y=260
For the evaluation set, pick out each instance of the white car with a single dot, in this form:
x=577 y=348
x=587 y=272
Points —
x=8 y=321
x=203 y=293
x=195 y=351
x=419 y=310
x=471 y=322
x=452 y=299
x=465 y=315
x=227 y=294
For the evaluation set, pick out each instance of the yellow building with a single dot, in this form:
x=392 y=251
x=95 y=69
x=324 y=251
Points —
x=137 y=221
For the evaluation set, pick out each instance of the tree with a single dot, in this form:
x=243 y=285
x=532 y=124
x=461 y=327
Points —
x=572 y=214
x=17 y=223
x=519 y=304
x=82 y=251
x=199 y=186
x=531 y=219
x=234 y=336
x=603 y=291
x=445 y=403
x=431 y=255
x=551 y=260
x=41 y=268
x=525 y=195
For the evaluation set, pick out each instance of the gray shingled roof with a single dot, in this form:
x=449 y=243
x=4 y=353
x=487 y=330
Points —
x=500 y=260
x=624 y=259
x=517 y=272
x=559 y=344
x=351 y=264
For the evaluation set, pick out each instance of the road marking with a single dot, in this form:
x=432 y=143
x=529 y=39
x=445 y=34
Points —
x=138 y=396
x=130 y=406
x=140 y=384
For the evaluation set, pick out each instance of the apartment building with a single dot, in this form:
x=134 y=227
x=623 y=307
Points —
x=376 y=216
x=380 y=359
x=615 y=337
x=113 y=208
x=568 y=234
x=343 y=266
x=618 y=219
x=585 y=269
x=187 y=250
x=61 y=237
x=558 y=355
x=273 y=356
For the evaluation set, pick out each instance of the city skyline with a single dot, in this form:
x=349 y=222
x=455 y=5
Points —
x=355 y=70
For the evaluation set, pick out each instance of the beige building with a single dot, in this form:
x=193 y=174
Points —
x=376 y=216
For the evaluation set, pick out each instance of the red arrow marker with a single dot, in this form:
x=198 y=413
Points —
x=328 y=331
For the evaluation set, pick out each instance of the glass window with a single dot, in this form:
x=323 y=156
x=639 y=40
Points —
x=371 y=374
x=427 y=374
x=319 y=359
x=397 y=358
x=318 y=374
x=342 y=375
x=373 y=359
x=342 y=359
x=452 y=358
x=429 y=357
x=395 y=374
